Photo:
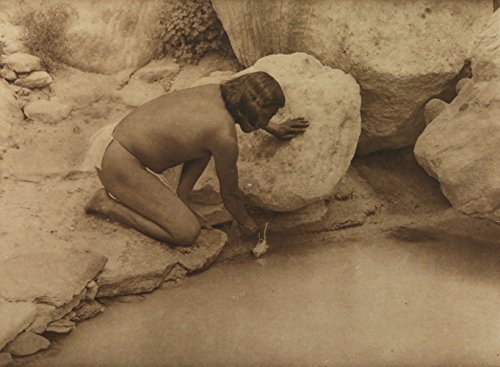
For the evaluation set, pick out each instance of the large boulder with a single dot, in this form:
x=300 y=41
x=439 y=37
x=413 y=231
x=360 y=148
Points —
x=285 y=176
x=459 y=147
x=401 y=53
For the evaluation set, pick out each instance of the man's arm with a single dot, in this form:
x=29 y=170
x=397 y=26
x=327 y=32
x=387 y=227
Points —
x=226 y=155
x=191 y=172
x=288 y=129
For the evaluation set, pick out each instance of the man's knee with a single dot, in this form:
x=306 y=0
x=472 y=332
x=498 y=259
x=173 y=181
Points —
x=186 y=234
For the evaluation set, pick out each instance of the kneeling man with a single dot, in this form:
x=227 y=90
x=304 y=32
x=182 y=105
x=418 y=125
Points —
x=185 y=127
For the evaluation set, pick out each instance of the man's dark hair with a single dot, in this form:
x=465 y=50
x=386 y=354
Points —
x=246 y=95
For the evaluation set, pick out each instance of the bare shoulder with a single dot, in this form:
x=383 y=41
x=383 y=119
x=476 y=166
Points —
x=221 y=128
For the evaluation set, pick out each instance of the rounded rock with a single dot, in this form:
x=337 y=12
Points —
x=22 y=63
x=433 y=108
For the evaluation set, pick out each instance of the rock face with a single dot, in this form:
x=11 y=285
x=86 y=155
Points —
x=49 y=112
x=460 y=146
x=285 y=176
x=107 y=37
x=401 y=53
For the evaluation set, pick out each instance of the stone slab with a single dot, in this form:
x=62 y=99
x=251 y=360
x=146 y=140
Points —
x=14 y=318
x=52 y=278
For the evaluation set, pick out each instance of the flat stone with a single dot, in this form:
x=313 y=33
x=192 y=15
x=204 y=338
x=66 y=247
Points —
x=204 y=251
x=47 y=314
x=26 y=344
x=62 y=326
x=5 y=359
x=399 y=67
x=176 y=274
x=135 y=267
x=8 y=74
x=140 y=267
x=14 y=318
x=158 y=70
x=53 y=278
x=35 y=80
x=48 y=112
x=22 y=63
x=87 y=310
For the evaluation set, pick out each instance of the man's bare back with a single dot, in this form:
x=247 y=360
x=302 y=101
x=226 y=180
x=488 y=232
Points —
x=177 y=127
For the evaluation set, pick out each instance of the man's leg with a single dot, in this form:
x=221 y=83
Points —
x=102 y=204
x=145 y=203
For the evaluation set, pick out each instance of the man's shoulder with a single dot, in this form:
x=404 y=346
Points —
x=222 y=133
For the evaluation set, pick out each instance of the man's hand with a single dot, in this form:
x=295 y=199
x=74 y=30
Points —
x=288 y=129
x=248 y=229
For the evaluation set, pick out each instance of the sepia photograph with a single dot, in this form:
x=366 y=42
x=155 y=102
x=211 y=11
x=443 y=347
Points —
x=249 y=183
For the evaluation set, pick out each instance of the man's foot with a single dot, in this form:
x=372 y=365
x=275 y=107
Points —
x=99 y=203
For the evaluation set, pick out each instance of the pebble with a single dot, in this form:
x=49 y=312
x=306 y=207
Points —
x=8 y=74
